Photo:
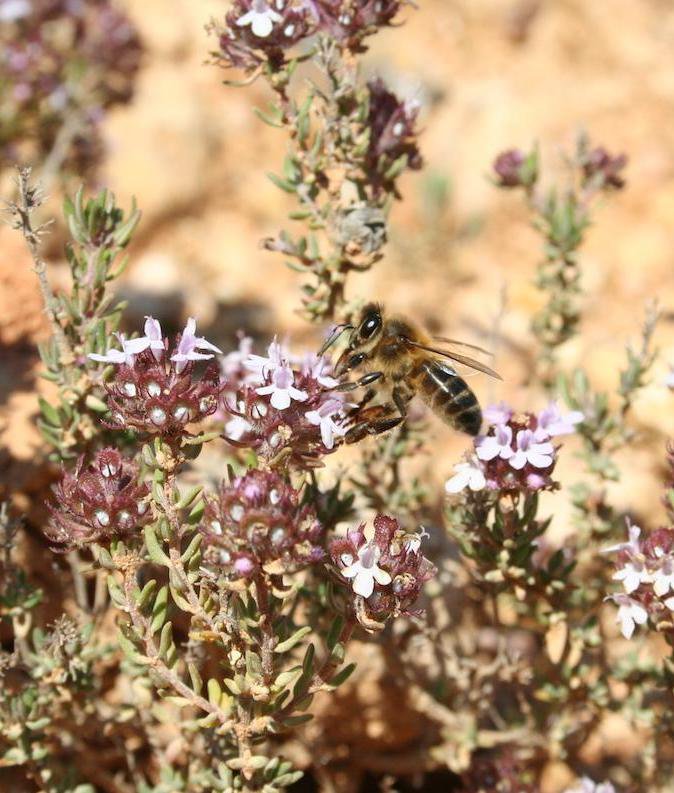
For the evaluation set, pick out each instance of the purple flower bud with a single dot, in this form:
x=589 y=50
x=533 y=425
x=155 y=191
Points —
x=603 y=169
x=514 y=168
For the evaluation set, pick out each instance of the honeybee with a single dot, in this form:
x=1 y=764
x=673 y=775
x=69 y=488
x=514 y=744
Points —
x=404 y=360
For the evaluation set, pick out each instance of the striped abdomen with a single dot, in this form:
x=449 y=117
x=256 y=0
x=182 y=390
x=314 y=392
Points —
x=448 y=395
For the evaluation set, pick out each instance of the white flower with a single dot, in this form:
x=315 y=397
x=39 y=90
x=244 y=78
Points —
x=633 y=574
x=630 y=613
x=152 y=340
x=364 y=571
x=530 y=451
x=282 y=389
x=261 y=19
x=262 y=366
x=467 y=475
x=663 y=577
x=631 y=546
x=315 y=366
x=237 y=427
x=497 y=414
x=188 y=345
x=497 y=445
x=552 y=423
x=324 y=418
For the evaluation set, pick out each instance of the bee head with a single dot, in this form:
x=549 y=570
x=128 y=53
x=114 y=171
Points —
x=363 y=339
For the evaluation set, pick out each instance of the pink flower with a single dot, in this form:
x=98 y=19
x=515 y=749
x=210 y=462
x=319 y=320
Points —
x=282 y=389
x=552 y=423
x=631 y=546
x=315 y=366
x=262 y=366
x=498 y=414
x=529 y=451
x=188 y=345
x=497 y=445
x=261 y=18
x=364 y=570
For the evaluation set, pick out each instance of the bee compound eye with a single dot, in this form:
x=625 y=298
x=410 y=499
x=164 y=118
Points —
x=370 y=326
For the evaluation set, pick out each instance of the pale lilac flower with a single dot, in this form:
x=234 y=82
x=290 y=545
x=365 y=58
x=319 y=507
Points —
x=262 y=366
x=261 y=18
x=632 y=575
x=498 y=414
x=11 y=10
x=631 y=546
x=237 y=427
x=630 y=613
x=498 y=445
x=551 y=422
x=467 y=474
x=152 y=339
x=189 y=344
x=324 y=417
x=315 y=366
x=282 y=389
x=364 y=570
x=586 y=785
x=529 y=451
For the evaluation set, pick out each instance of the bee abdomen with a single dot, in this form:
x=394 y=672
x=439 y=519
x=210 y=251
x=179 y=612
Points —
x=449 y=397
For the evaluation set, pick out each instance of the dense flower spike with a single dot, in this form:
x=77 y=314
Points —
x=516 y=453
x=282 y=408
x=62 y=61
x=259 y=523
x=96 y=501
x=382 y=564
x=645 y=568
x=154 y=394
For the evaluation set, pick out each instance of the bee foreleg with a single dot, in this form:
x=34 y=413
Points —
x=366 y=379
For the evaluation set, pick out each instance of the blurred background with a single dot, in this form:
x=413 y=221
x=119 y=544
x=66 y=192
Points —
x=490 y=74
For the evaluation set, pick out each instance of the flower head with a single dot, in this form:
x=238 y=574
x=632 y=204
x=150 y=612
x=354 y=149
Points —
x=383 y=565
x=160 y=396
x=258 y=522
x=645 y=568
x=96 y=501
x=604 y=169
x=514 y=168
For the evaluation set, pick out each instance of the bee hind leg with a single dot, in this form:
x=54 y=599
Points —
x=373 y=421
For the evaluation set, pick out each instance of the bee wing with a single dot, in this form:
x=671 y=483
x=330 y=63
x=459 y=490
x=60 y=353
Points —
x=463 y=344
x=454 y=356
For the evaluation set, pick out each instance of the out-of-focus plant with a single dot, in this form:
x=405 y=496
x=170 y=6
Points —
x=62 y=66
x=562 y=217
x=349 y=140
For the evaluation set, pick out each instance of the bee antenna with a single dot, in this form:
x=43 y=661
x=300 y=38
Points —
x=337 y=331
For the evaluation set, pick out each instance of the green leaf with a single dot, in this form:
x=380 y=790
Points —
x=159 y=610
x=50 y=413
x=342 y=676
x=289 y=643
x=154 y=549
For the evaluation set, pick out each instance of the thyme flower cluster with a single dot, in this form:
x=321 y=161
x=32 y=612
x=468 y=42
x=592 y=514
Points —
x=281 y=406
x=517 y=452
